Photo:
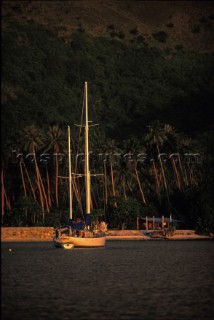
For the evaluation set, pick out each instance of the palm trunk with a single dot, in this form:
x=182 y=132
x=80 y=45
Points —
x=43 y=190
x=24 y=187
x=162 y=168
x=23 y=180
x=129 y=187
x=112 y=181
x=176 y=174
x=41 y=199
x=190 y=174
x=141 y=190
x=156 y=175
x=157 y=181
x=186 y=178
x=32 y=189
x=49 y=189
x=77 y=194
x=105 y=183
x=182 y=171
x=2 y=194
x=163 y=173
x=57 y=173
x=40 y=187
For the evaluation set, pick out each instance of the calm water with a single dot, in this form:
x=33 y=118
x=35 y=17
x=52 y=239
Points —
x=125 y=280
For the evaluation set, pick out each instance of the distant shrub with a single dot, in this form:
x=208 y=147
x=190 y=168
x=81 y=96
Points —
x=16 y=8
x=121 y=35
x=134 y=31
x=160 y=36
x=170 y=25
x=61 y=28
x=110 y=27
x=140 y=38
x=202 y=20
x=80 y=29
x=113 y=34
x=208 y=25
x=168 y=51
x=67 y=11
x=196 y=29
x=179 y=47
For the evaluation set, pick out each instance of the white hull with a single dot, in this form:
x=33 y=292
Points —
x=89 y=242
x=80 y=242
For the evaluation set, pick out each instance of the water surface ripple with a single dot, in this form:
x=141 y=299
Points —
x=126 y=280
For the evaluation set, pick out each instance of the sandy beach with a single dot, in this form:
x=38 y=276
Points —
x=30 y=234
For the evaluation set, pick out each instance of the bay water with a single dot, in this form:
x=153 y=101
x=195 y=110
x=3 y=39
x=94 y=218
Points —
x=126 y=280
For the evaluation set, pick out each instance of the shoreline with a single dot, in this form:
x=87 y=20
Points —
x=45 y=234
x=121 y=238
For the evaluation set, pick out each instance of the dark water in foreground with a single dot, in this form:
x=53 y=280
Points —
x=125 y=280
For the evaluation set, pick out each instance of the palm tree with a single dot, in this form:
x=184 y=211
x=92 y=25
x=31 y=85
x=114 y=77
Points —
x=182 y=145
x=4 y=197
x=55 y=135
x=112 y=151
x=132 y=148
x=33 y=141
x=172 y=139
x=157 y=137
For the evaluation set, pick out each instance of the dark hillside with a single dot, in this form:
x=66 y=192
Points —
x=161 y=24
x=149 y=67
x=42 y=80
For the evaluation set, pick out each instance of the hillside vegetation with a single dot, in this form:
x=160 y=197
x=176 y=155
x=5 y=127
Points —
x=146 y=98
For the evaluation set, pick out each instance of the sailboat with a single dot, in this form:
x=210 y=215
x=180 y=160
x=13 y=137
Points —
x=68 y=236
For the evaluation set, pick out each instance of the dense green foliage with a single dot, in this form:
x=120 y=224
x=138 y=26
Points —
x=130 y=87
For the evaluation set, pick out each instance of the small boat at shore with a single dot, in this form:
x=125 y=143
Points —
x=166 y=230
x=159 y=234
x=73 y=234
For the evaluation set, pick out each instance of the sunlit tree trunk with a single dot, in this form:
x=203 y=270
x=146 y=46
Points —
x=105 y=183
x=2 y=195
x=182 y=171
x=43 y=197
x=176 y=173
x=77 y=194
x=23 y=180
x=156 y=175
x=129 y=187
x=32 y=189
x=49 y=188
x=162 y=168
x=139 y=184
x=57 y=183
x=24 y=187
x=113 y=186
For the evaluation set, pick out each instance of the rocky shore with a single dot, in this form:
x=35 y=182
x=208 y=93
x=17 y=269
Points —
x=13 y=234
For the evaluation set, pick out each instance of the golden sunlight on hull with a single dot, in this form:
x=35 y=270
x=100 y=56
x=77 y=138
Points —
x=64 y=242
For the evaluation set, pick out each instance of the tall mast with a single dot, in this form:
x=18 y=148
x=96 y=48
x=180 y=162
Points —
x=69 y=169
x=87 y=172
